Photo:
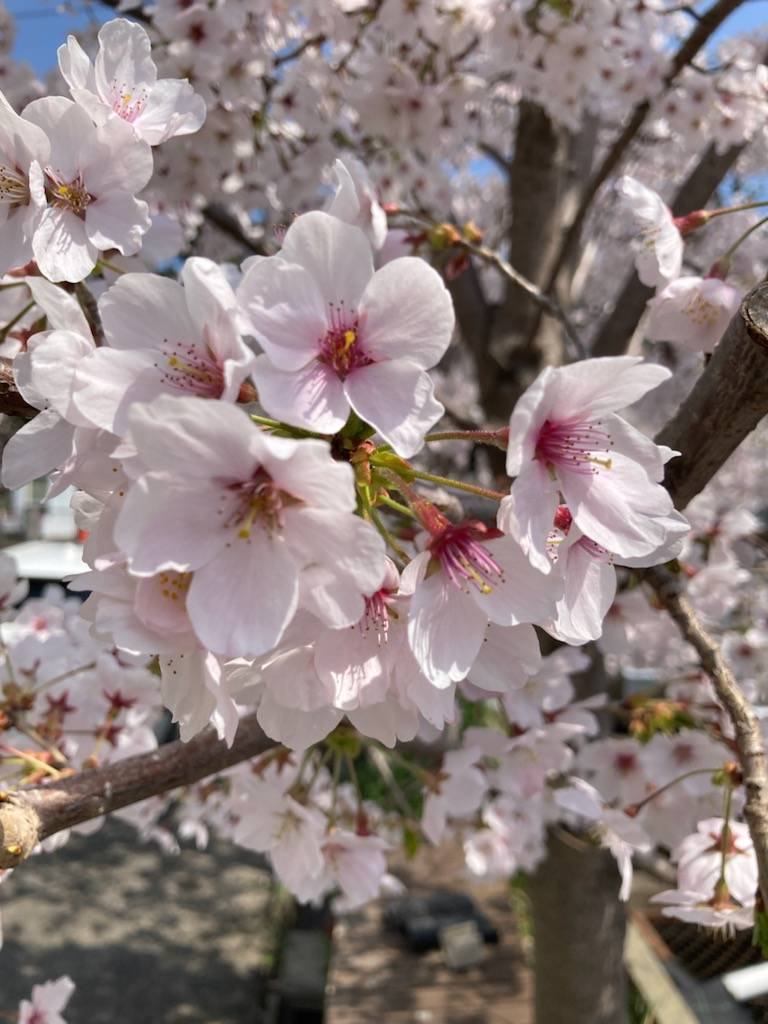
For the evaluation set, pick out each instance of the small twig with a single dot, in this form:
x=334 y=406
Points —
x=749 y=742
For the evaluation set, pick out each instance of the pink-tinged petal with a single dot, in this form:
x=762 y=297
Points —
x=109 y=381
x=619 y=507
x=173 y=108
x=61 y=247
x=160 y=602
x=62 y=121
x=39 y=447
x=406 y=312
x=165 y=525
x=75 y=65
x=53 y=357
x=63 y=311
x=16 y=238
x=201 y=439
x=117 y=221
x=102 y=173
x=507 y=659
x=523 y=594
x=396 y=398
x=145 y=310
x=527 y=514
x=355 y=201
x=528 y=416
x=334 y=601
x=304 y=469
x=445 y=630
x=693 y=311
x=207 y=291
x=638 y=447
x=594 y=387
x=590 y=587
x=124 y=61
x=346 y=543
x=388 y=722
x=311 y=397
x=286 y=311
x=338 y=257
x=676 y=529
x=194 y=692
x=293 y=682
x=241 y=602
x=295 y=729
x=352 y=662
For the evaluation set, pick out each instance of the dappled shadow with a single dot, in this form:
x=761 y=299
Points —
x=147 y=937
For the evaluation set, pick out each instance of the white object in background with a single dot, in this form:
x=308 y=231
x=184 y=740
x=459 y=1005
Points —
x=747 y=982
x=47 y=559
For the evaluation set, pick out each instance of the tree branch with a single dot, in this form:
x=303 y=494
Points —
x=29 y=815
x=749 y=741
x=727 y=402
x=707 y=24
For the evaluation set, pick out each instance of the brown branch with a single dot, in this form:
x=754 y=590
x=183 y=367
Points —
x=727 y=402
x=749 y=741
x=29 y=815
x=707 y=24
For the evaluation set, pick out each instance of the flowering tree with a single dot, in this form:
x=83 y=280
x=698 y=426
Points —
x=276 y=283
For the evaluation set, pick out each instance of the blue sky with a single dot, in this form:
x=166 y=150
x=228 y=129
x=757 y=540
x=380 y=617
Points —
x=41 y=29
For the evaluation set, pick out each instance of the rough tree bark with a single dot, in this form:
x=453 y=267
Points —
x=578 y=924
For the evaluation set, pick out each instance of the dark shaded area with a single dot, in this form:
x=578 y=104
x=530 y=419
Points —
x=148 y=937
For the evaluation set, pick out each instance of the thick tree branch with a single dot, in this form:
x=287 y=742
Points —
x=727 y=402
x=749 y=741
x=30 y=815
x=705 y=27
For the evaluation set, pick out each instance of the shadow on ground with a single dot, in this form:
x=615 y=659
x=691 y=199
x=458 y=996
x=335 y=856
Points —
x=148 y=938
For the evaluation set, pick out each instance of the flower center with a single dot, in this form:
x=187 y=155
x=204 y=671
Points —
x=701 y=311
x=377 y=615
x=69 y=195
x=572 y=445
x=190 y=368
x=259 y=502
x=14 y=187
x=126 y=103
x=340 y=347
x=464 y=559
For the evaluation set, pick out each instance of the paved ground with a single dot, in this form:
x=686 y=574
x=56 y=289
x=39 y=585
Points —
x=147 y=937
x=375 y=980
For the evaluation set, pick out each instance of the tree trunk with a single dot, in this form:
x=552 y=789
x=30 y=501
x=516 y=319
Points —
x=579 y=925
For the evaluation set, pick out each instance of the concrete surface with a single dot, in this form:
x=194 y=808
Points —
x=148 y=938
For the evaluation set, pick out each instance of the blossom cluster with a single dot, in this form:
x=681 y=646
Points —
x=247 y=448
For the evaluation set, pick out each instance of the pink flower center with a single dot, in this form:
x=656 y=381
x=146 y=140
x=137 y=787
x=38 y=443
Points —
x=69 y=195
x=259 y=502
x=377 y=615
x=464 y=559
x=126 y=103
x=571 y=445
x=190 y=368
x=340 y=348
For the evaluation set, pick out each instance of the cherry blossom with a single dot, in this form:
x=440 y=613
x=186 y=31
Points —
x=658 y=246
x=338 y=337
x=47 y=1003
x=24 y=154
x=233 y=506
x=163 y=337
x=89 y=191
x=565 y=437
x=123 y=84
x=693 y=311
